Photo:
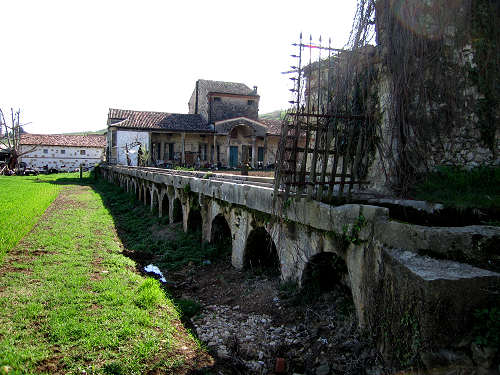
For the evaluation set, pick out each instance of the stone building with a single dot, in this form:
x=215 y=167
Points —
x=221 y=129
x=62 y=152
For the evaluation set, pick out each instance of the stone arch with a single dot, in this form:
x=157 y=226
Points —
x=165 y=205
x=138 y=191
x=194 y=220
x=260 y=252
x=177 y=211
x=226 y=126
x=220 y=234
x=147 y=196
x=323 y=272
x=155 y=201
x=243 y=128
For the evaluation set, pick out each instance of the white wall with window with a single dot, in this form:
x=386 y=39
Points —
x=63 y=158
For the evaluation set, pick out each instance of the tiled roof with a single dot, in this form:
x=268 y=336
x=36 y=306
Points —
x=225 y=87
x=157 y=120
x=273 y=126
x=64 y=140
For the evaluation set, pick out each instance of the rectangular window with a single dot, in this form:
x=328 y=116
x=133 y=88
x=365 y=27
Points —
x=216 y=99
x=250 y=102
x=45 y=151
x=260 y=155
x=82 y=152
x=63 y=152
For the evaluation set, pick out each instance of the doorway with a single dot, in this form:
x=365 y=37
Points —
x=233 y=156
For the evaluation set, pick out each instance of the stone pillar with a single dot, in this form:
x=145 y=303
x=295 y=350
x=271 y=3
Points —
x=214 y=155
x=240 y=228
x=228 y=149
x=185 y=215
x=254 y=151
x=171 y=198
x=161 y=196
x=183 y=147
x=265 y=151
x=150 y=148
x=206 y=217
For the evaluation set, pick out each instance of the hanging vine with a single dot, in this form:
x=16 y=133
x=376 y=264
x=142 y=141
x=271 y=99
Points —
x=426 y=54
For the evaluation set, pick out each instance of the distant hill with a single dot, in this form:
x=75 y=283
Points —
x=275 y=115
x=100 y=132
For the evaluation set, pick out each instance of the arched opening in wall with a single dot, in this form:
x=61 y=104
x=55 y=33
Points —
x=260 y=253
x=165 y=206
x=221 y=235
x=156 y=205
x=324 y=272
x=194 y=221
x=138 y=192
x=177 y=211
x=147 y=197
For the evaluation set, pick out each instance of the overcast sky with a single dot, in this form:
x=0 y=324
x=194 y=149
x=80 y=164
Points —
x=64 y=63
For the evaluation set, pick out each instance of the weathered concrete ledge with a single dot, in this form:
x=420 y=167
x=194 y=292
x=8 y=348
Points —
x=478 y=245
x=424 y=304
x=310 y=213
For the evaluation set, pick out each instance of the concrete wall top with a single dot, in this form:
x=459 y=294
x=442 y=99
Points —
x=259 y=198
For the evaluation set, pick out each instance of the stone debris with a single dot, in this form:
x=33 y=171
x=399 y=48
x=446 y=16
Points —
x=320 y=345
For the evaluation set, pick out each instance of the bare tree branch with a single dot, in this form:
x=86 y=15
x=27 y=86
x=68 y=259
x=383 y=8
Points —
x=12 y=139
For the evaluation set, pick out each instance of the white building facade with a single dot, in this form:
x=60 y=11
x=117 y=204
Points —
x=62 y=152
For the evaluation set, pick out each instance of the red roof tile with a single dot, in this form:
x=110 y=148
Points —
x=64 y=140
x=273 y=126
x=124 y=118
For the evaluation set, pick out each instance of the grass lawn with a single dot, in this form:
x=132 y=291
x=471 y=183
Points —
x=22 y=201
x=71 y=302
x=454 y=187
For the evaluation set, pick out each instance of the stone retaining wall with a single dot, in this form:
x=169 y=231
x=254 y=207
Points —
x=399 y=291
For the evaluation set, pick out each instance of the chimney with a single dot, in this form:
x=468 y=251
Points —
x=196 y=98
x=255 y=90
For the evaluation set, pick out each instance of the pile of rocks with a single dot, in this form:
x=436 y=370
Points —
x=321 y=343
x=249 y=337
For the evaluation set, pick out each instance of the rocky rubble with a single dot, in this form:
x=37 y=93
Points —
x=320 y=341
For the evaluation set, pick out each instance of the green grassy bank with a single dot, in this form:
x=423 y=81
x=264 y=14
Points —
x=71 y=302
